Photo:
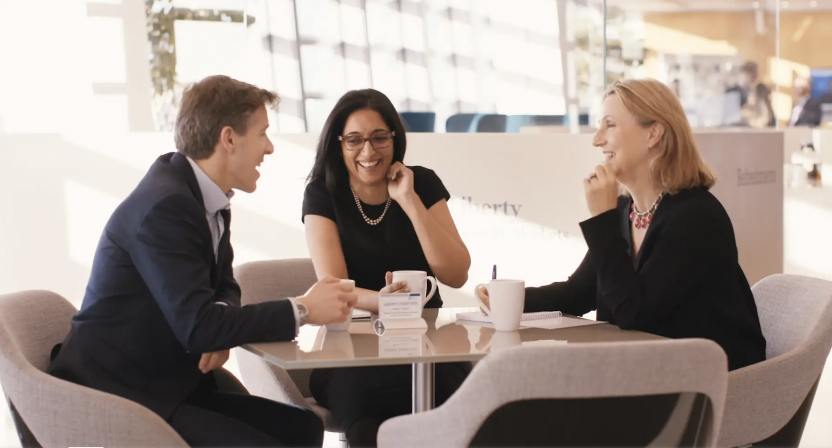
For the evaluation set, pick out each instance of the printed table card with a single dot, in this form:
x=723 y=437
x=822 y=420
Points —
x=400 y=310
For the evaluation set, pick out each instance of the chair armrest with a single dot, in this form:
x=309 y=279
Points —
x=763 y=397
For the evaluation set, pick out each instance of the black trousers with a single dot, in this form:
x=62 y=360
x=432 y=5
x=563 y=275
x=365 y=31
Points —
x=228 y=417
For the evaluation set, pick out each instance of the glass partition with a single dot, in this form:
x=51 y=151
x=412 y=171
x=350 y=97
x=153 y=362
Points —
x=719 y=56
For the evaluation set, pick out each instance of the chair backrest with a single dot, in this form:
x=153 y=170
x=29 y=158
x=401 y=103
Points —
x=492 y=123
x=793 y=310
x=57 y=412
x=796 y=318
x=515 y=122
x=684 y=379
x=262 y=281
x=419 y=121
x=462 y=123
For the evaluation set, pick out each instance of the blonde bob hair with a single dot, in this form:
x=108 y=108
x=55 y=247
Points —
x=678 y=164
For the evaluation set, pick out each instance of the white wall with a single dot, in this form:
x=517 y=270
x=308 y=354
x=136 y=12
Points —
x=517 y=200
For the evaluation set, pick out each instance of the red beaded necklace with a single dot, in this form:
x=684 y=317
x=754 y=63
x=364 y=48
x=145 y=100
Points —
x=642 y=220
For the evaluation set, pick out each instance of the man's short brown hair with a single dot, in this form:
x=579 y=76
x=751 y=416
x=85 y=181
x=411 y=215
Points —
x=212 y=104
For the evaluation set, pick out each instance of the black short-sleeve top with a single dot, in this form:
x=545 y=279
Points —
x=392 y=245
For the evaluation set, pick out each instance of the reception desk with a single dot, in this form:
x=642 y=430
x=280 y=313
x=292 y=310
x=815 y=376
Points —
x=517 y=200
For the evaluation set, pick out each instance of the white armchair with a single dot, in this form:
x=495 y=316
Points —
x=60 y=413
x=678 y=384
x=768 y=402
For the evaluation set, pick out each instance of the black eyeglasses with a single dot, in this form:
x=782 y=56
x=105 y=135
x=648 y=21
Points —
x=378 y=141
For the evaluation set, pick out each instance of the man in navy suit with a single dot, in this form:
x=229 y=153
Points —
x=162 y=308
x=806 y=110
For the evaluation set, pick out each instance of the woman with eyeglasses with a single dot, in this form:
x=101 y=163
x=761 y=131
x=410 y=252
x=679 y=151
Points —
x=367 y=214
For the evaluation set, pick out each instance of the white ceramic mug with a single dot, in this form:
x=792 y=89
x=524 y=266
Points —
x=417 y=281
x=507 y=298
x=345 y=325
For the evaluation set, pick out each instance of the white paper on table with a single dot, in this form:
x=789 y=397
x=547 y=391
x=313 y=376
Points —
x=546 y=324
x=479 y=316
x=361 y=315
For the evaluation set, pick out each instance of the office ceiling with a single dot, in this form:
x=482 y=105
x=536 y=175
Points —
x=720 y=5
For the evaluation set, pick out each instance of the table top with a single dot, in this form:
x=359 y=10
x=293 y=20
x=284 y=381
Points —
x=445 y=340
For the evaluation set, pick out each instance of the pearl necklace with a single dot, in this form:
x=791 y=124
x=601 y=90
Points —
x=642 y=220
x=372 y=222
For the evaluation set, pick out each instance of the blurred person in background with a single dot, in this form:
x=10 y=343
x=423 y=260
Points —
x=806 y=110
x=755 y=98
x=826 y=98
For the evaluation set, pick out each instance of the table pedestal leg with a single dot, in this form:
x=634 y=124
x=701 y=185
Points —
x=423 y=387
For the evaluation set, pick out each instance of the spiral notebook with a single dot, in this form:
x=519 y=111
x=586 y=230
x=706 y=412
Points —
x=478 y=316
x=549 y=320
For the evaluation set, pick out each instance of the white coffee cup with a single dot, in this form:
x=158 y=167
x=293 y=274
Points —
x=417 y=281
x=345 y=325
x=507 y=298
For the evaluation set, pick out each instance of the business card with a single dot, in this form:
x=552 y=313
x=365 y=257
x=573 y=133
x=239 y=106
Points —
x=400 y=306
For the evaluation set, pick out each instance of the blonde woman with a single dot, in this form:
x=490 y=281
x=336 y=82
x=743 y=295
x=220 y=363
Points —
x=662 y=257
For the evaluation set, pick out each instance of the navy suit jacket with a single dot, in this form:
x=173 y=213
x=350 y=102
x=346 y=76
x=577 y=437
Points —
x=150 y=309
x=811 y=113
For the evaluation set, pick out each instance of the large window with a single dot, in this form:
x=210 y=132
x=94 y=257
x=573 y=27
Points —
x=122 y=64
x=442 y=56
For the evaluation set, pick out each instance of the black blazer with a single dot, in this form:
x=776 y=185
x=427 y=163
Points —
x=686 y=281
x=150 y=308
